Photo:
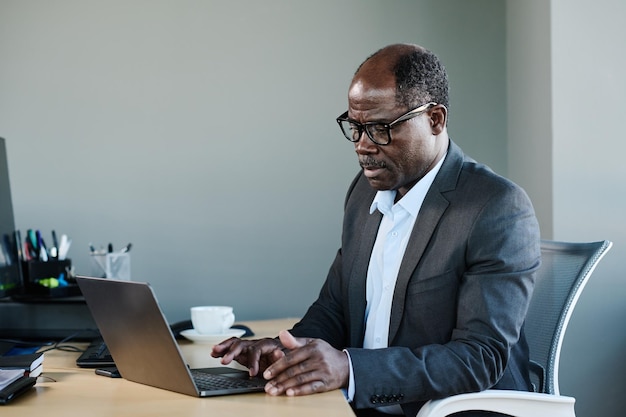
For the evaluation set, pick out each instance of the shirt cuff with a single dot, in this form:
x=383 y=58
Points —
x=349 y=392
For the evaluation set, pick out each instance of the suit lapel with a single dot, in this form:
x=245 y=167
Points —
x=433 y=208
x=358 y=277
x=420 y=236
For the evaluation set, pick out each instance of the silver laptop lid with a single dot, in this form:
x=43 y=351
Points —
x=137 y=333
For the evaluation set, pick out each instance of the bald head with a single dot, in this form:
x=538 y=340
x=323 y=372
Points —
x=415 y=73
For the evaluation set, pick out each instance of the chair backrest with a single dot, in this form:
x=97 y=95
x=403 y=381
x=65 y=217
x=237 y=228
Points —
x=565 y=269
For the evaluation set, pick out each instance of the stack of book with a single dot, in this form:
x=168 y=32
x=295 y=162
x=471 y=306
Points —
x=31 y=364
x=18 y=373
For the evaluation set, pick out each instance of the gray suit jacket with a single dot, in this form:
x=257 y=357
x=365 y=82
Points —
x=461 y=295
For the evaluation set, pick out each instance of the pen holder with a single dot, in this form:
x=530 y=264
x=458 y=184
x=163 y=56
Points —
x=49 y=278
x=114 y=265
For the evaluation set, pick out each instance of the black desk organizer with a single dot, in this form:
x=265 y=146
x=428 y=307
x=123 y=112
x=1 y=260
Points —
x=33 y=271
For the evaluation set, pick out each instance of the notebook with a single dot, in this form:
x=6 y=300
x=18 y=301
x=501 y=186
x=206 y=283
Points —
x=142 y=344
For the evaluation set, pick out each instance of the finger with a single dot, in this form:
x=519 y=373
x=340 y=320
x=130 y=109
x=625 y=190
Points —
x=267 y=360
x=283 y=361
x=218 y=350
x=236 y=351
x=277 y=354
x=290 y=364
x=289 y=341
x=301 y=384
x=262 y=353
x=254 y=358
x=306 y=389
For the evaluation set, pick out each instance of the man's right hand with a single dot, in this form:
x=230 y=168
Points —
x=256 y=355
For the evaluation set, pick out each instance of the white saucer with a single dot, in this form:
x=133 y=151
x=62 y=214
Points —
x=194 y=336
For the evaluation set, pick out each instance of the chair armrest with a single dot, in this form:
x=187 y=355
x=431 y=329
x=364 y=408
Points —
x=514 y=403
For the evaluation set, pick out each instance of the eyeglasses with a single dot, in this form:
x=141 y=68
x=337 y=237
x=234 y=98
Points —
x=379 y=133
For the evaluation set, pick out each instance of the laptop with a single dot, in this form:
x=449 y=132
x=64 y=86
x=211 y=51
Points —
x=142 y=344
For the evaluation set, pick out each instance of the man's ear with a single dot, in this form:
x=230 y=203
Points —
x=438 y=118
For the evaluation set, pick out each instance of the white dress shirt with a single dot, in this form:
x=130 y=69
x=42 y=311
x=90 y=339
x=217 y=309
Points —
x=391 y=241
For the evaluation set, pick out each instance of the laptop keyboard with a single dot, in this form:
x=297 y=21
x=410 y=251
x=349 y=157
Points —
x=97 y=354
x=213 y=382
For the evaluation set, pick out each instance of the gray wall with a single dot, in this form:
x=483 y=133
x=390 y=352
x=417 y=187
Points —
x=589 y=190
x=566 y=87
x=203 y=131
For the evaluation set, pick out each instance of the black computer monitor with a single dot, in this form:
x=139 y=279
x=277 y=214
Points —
x=23 y=316
x=10 y=269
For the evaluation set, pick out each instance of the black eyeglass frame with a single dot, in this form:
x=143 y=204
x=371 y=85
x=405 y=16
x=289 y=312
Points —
x=361 y=127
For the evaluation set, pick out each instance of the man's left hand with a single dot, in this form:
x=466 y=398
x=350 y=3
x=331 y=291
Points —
x=309 y=366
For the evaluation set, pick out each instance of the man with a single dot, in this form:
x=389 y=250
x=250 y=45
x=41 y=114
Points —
x=427 y=296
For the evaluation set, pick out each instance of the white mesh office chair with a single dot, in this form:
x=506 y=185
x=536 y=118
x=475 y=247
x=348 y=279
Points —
x=565 y=269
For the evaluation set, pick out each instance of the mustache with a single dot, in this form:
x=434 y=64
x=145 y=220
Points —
x=369 y=162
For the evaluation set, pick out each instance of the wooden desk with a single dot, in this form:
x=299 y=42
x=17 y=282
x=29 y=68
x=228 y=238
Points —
x=66 y=390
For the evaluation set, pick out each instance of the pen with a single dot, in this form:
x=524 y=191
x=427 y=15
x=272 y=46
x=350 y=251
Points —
x=26 y=250
x=64 y=247
x=31 y=241
x=30 y=245
x=126 y=248
x=18 y=238
x=54 y=250
x=43 y=252
x=6 y=253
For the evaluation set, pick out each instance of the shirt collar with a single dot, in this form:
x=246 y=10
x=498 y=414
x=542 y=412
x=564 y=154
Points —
x=412 y=201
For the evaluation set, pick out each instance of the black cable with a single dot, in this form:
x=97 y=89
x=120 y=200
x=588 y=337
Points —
x=68 y=348
x=25 y=343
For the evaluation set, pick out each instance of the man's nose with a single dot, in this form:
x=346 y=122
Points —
x=365 y=145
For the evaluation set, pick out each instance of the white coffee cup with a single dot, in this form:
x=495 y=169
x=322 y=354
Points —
x=212 y=319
